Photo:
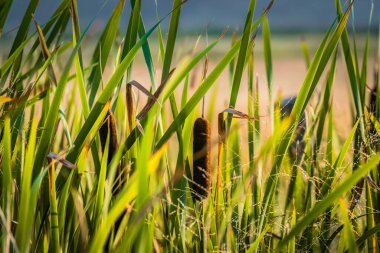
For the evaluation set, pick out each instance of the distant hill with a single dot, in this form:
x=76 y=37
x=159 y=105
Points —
x=285 y=16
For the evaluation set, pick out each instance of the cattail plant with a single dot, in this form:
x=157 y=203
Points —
x=219 y=183
x=109 y=127
x=201 y=159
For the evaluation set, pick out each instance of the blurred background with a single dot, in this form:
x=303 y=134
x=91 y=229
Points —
x=297 y=16
x=293 y=23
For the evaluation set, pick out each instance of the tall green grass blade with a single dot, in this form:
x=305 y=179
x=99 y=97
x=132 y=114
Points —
x=318 y=64
x=338 y=162
x=348 y=233
x=330 y=199
x=203 y=88
x=268 y=67
x=5 y=6
x=22 y=33
x=242 y=45
x=12 y=58
x=180 y=73
x=105 y=95
x=50 y=122
x=7 y=187
x=54 y=226
x=23 y=231
x=101 y=185
x=305 y=50
x=367 y=235
x=352 y=73
x=325 y=103
x=170 y=43
x=103 y=49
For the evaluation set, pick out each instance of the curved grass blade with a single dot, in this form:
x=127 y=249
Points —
x=243 y=47
x=268 y=67
x=314 y=73
x=54 y=226
x=103 y=49
x=202 y=89
x=23 y=232
x=105 y=95
x=338 y=162
x=22 y=33
x=50 y=122
x=5 y=6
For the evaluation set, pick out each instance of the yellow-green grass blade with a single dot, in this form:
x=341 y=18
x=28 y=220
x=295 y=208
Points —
x=169 y=50
x=268 y=67
x=23 y=230
x=52 y=115
x=147 y=55
x=125 y=197
x=243 y=47
x=7 y=182
x=353 y=73
x=172 y=35
x=5 y=6
x=203 y=88
x=160 y=37
x=79 y=73
x=180 y=73
x=22 y=33
x=255 y=245
x=103 y=49
x=367 y=235
x=131 y=35
x=331 y=198
x=292 y=242
x=317 y=66
x=54 y=226
x=306 y=54
x=6 y=162
x=105 y=95
x=46 y=54
x=7 y=186
x=348 y=238
x=57 y=22
x=325 y=103
x=338 y=162
x=12 y=58
x=100 y=188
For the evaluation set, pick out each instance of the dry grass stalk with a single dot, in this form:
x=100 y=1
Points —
x=130 y=107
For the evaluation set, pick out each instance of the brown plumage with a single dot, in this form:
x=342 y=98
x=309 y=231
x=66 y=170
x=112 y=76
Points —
x=201 y=159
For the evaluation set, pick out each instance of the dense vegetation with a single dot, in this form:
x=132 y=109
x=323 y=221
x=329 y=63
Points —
x=84 y=168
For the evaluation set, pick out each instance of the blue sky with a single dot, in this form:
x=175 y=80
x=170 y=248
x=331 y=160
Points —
x=294 y=15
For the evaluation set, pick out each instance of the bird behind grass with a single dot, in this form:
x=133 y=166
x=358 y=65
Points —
x=297 y=146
